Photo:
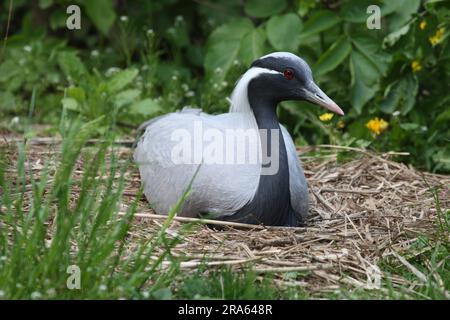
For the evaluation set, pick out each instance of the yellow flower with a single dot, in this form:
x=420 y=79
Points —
x=377 y=125
x=423 y=25
x=437 y=36
x=340 y=124
x=416 y=66
x=326 y=116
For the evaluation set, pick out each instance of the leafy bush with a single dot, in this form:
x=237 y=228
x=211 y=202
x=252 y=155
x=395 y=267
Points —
x=133 y=60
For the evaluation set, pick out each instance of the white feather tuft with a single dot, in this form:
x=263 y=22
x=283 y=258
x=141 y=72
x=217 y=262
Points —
x=239 y=97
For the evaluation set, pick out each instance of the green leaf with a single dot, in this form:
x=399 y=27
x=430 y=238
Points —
x=409 y=126
x=364 y=80
x=355 y=11
x=430 y=4
x=77 y=93
x=126 y=97
x=162 y=294
x=146 y=107
x=364 y=69
x=442 y=159
x=320 y=21
x=283 y=32
x=102 y=14
x=70 y=104
x=231 y=31
x=441 y=120
x=393 y=37
x=264 y=8
x=121 y=79
x=44 y=4
x=7 y=101
x=58 y=19
x=304 y=7
x=252 y=46
x=334 y=56
x=71 y=64
x=401 y=95
x=8 y=69
x=224 y=44
x=370 y=48
x=402 y=13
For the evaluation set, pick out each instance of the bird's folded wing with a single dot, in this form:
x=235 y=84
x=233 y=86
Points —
x=221 y=189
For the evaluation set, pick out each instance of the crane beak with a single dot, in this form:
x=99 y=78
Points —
x=315 y=95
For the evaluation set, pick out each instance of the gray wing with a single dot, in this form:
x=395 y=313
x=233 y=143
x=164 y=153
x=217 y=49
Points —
x=195 y=111
x=297 y=182
x=218 y=188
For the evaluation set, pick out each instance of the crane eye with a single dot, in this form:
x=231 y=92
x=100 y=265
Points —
x=288 y=74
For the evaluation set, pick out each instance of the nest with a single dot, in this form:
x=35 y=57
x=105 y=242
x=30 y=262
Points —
x=361 y=212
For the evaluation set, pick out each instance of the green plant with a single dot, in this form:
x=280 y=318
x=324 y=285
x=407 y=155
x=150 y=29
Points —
x=85 y=231
x=191 y=54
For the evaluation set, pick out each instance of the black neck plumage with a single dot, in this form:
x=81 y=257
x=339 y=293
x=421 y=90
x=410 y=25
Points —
x=271 y=204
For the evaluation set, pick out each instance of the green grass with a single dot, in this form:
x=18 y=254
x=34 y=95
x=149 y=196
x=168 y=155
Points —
x=89 y=234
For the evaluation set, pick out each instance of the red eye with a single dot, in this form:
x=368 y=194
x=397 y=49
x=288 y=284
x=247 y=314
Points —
x=288 y=74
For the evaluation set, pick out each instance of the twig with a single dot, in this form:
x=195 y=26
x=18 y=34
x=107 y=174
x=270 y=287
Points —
x=193 y=264
x=324 y=202
x=51 y=140
x=350 y=191
x=413 y=269
x=295 y=269
x=215 y=222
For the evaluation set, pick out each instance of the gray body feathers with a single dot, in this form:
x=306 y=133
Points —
x=219 y=189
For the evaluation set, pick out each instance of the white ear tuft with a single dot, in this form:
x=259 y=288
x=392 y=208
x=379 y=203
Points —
x=239 y=97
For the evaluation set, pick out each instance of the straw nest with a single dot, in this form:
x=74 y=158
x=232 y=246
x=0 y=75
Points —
x=361 y=212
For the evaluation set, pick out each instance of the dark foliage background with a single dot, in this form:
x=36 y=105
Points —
x=132 y=60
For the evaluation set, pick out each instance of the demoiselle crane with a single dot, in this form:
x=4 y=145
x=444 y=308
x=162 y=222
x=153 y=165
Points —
x=243 y=164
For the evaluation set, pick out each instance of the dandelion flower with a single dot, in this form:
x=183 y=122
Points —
x=326 y=117
x=377 y=125
x=416 y=66
x=423 y=25
x=434 y=40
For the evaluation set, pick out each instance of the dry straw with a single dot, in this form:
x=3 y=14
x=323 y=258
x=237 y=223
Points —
x=362 y=211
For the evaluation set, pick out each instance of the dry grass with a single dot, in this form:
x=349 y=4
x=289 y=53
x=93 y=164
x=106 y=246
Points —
x=362 y=211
